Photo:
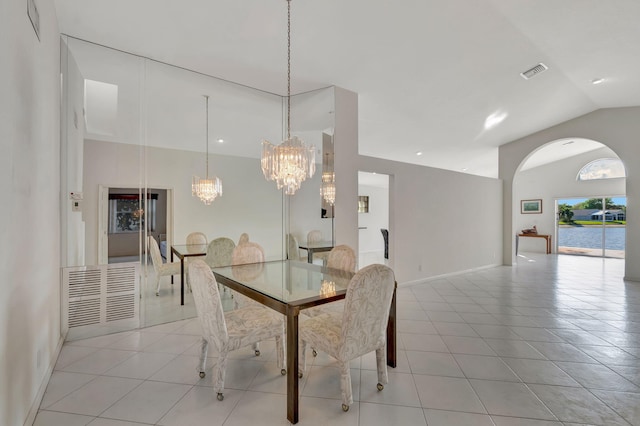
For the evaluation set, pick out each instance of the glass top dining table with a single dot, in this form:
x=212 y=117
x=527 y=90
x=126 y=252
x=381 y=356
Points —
x=182 y=251
x=315 y=247
x=288 y=287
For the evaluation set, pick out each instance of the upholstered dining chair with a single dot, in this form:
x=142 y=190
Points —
x=244 y=238
x=315 y=236
x=340 y=257
x=198 y=241
x=161 y=269
x=247 y=252
x=293 y=248
x=228 y=331
x=360 y=329
x=220 y=252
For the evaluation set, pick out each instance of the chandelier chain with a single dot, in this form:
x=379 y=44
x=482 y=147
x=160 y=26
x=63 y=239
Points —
x=207 y=133
x=292 y=162
x=288 y=69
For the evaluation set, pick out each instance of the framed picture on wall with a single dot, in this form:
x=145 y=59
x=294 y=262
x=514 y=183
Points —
x=530 y=206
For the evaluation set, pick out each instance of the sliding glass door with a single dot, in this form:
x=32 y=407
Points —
x=592 y=226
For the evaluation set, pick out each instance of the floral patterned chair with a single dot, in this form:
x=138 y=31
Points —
x=340 y=257
x=244 y=238
x=231 y=330
x=219 y=252
x=197 y=241
x=360 y=329
x=161 y=269
x=293 y=250
x=247 y=252
x=244 y=253
x=315 y=236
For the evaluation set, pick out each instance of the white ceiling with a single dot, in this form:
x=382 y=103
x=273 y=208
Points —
x=428 y=73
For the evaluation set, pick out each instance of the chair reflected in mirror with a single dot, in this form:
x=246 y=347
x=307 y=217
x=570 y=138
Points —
x=160 y=268
x=293 y=248
x=220 y=252
x=315 y=236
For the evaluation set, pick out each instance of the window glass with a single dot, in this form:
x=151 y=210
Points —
x=602 y=168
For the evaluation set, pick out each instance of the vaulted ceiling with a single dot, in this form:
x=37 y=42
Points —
x=437 y=77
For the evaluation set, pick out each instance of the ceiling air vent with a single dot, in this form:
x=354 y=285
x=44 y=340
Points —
x=534 y=71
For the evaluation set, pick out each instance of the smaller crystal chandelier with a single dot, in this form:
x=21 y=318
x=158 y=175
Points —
x=328 y=185
x=291 y=162
x=206 y=189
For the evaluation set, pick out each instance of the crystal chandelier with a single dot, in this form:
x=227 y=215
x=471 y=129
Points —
x=291 y=162
x=327 y=288
x=328 y=185
x=206 y=189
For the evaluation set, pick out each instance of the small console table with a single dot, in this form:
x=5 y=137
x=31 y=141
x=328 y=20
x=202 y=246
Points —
x=546 y=237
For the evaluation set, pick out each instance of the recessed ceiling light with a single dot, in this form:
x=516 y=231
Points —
x=494 y=119
x=419 y=153
x=597 y=80
x=464 y=169
x=220 y=140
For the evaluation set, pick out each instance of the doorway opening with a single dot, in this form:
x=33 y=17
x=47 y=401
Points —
x=373 y=219
x=593 y=226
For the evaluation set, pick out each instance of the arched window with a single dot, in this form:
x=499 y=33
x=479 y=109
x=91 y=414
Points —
x=602 y=168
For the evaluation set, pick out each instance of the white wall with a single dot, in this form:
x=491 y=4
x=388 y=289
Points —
x=440 y=222
x=370 y=239
x=554 y=181
x=249 y=203
x=617 y=128
x=345 y=166
x=30 y=175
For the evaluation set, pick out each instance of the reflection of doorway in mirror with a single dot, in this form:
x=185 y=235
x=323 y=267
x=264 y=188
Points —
x=373 y=203
x=126 y=214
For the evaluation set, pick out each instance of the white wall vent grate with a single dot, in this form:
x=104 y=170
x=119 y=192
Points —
x=531 y=72
x=101 y=299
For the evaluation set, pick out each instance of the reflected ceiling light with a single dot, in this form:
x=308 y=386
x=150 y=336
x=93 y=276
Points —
x=494 y=119
x=220 y=140
x=419 y=153
x=291 y=162
x=597 y=80
x=206 y=189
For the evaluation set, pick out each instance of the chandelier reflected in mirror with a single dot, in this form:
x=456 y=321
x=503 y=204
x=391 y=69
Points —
x=207 y=189
x=292 y=162
x=328 y=185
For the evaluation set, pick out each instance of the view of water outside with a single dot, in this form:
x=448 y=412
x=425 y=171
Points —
x=590 y=236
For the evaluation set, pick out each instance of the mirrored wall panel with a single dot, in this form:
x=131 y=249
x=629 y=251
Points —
x=135 y=133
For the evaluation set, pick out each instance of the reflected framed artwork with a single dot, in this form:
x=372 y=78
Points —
x=531 y=206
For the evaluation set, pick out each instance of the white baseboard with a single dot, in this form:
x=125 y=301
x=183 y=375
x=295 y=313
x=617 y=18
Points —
x=449 y=274
x=33 y=411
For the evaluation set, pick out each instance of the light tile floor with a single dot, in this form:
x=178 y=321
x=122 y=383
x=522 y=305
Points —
x=554 y=340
